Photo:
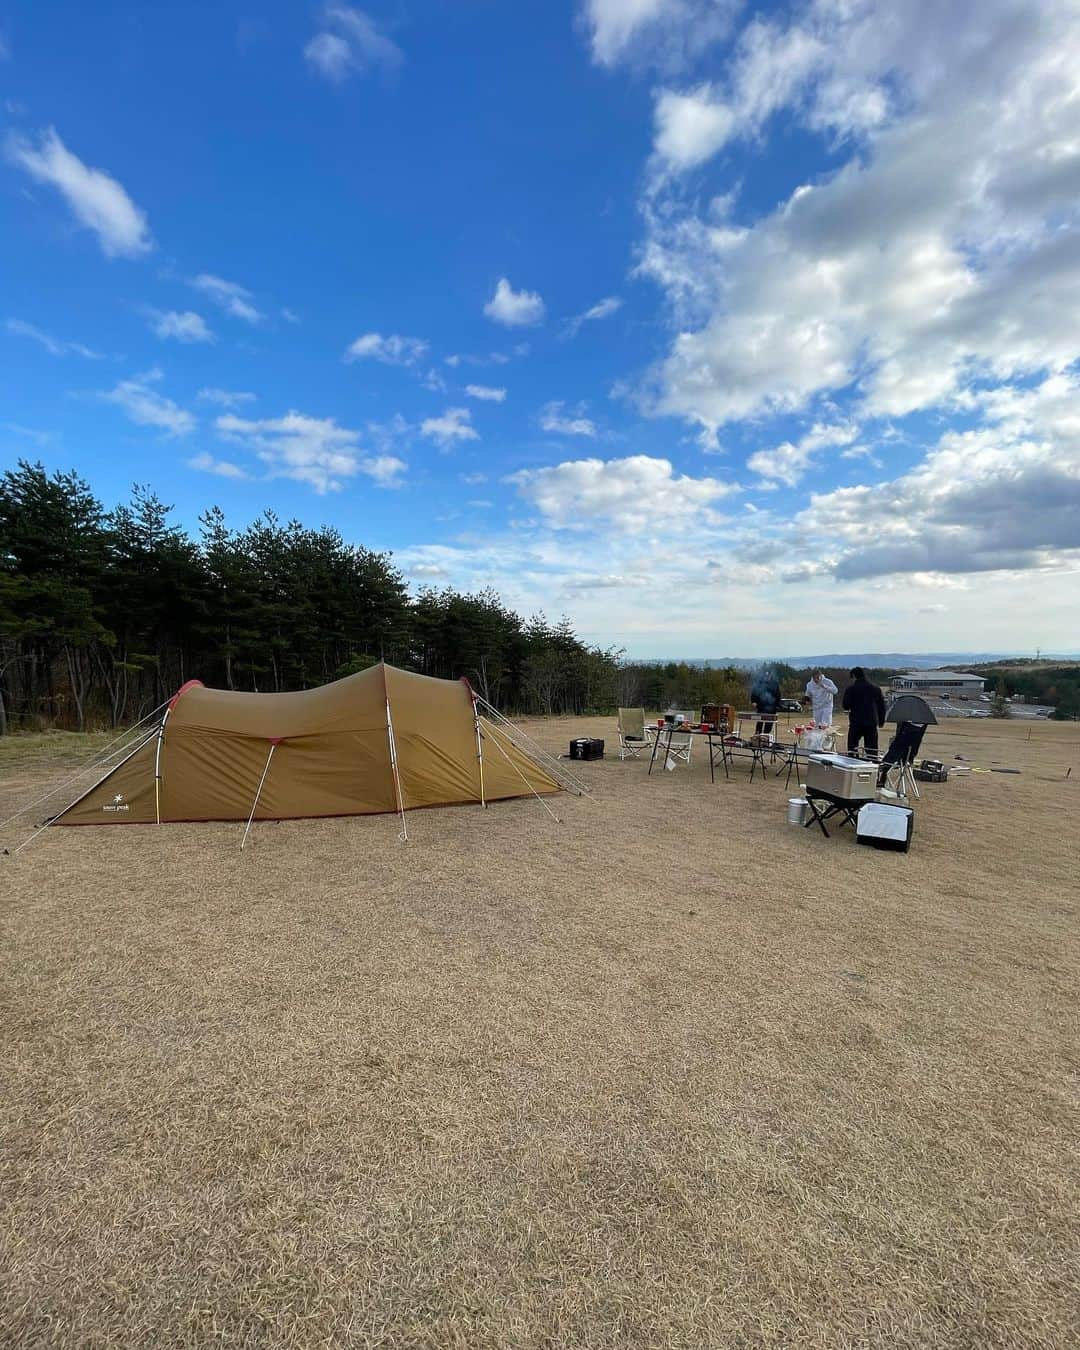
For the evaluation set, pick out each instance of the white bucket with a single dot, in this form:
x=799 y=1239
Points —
x=798 y=808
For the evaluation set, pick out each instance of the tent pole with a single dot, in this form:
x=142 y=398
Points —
x=258 y=794
x=157 y=765
x=479 y=755
x=404 y=835
x=534 y=792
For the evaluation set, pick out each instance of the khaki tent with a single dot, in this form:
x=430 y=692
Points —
x=382 y=740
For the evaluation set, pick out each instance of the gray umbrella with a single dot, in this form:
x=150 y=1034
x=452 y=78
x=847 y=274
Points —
x=911 y=708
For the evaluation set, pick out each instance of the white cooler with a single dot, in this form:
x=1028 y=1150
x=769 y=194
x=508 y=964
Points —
x=884 y=826
x=855 y=780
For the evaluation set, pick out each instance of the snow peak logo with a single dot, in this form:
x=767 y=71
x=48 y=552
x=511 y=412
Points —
x=117 y=804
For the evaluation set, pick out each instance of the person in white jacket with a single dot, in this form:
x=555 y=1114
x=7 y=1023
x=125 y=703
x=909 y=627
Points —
x=821 y=691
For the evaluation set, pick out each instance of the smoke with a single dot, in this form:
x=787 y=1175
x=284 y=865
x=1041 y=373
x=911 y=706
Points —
x=765 y=687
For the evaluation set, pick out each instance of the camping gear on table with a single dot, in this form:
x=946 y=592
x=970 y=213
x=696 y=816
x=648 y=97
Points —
x=842 y=776
x=815 y=738
x=586 y=747
x=382 y=740
x=798 y=809
x=882 y=825
x=719 y=715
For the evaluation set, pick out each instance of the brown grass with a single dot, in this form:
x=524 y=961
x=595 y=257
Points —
x=670 y=1074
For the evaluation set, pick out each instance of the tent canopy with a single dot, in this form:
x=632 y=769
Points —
x=379 y=741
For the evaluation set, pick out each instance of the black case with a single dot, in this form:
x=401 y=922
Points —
x=586 y=747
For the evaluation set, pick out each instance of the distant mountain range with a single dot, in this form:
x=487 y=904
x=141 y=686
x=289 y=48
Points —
x=886 y=660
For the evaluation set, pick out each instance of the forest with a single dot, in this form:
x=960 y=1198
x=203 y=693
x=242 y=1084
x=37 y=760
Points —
x=104 y=613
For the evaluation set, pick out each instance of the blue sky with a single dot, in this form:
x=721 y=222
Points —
x=721 y=328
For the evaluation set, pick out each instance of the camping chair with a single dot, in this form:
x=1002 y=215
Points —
x=897 y=761
x=632 y=739
x=682 y=745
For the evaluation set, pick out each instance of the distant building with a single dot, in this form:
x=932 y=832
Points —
x=939 y=684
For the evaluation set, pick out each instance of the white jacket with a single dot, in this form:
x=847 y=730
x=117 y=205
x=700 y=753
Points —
x=821 y=700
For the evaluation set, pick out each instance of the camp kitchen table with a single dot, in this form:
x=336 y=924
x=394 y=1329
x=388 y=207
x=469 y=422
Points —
x=714 y=738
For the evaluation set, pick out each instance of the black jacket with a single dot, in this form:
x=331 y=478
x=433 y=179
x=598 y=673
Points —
x=864 y=704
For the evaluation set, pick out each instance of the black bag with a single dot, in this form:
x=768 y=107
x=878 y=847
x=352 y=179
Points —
x=586 y=747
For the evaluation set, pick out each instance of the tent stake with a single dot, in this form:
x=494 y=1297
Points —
x=258 y=794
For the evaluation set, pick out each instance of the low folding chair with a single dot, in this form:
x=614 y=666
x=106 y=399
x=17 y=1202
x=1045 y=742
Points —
x=847 y=810
x=633 y=742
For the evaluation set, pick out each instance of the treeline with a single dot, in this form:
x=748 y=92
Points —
x=105 y=613
x=1054 y=686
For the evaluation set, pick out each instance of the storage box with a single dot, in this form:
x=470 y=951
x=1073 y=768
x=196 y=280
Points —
x=931 y=771
x=855 y=780
x=884 y=826
x=586 y=747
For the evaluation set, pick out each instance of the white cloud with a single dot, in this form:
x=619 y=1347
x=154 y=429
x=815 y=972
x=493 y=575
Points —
x=480 y=504
x=143 y=405
x=184 y=327
x=655 y=32
x=552 y=418
x=313 y=450
x=943 y=252
x=351 y=42
x=1003 y=495
x=473 y=479
x=97 y=200
x=392 y=350
x=690 y=128
x=222 y=467
x=228 y=295
x=788 y=462
x=486 y=393
x=603 y=309
x=290 y=315
x=770 y=67
x=386 y=470
x=54 y=346
x=455 y=424
x=629 y=494
x=225 y=398
x=514 y=308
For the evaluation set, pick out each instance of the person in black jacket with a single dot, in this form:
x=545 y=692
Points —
x=865 y=706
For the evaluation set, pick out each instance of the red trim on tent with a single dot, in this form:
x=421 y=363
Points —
x=189 y=684
x=468 y=686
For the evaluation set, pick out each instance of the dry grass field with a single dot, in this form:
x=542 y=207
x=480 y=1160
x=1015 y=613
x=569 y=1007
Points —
x=670 y=1074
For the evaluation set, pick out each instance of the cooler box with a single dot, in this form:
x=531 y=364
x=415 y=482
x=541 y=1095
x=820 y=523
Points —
x=586 y=747
x=884 y=826
x=854 y=780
